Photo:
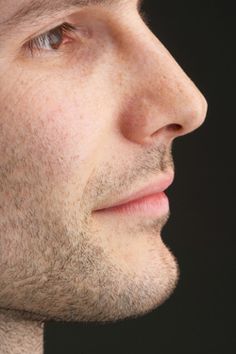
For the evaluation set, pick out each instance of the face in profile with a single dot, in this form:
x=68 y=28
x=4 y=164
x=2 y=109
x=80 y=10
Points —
x=90 y=104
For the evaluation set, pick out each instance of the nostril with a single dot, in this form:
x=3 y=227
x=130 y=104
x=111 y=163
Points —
x=174 y=127
x=170 y=130
x=174 y=130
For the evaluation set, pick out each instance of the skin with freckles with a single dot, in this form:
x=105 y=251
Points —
x=81 y=126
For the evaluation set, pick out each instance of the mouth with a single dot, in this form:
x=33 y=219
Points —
x=150 y=200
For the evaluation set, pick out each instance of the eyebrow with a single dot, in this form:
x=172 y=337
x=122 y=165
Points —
x=34 y=10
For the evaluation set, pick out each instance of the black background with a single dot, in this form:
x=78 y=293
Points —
x=199 y=316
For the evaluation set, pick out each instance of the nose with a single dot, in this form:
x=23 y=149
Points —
x=159 y=99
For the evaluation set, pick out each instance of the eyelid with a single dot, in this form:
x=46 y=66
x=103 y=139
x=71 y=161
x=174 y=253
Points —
x=45 y=30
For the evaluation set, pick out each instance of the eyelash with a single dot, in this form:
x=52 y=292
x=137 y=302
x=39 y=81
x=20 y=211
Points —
x=43 y=40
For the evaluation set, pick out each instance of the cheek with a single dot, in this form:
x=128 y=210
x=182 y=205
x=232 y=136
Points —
x=64 y=140
x=54 y=137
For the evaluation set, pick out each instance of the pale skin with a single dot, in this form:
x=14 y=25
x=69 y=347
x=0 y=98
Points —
x=80 y=126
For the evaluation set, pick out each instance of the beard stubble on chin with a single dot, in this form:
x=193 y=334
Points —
x=85 y=277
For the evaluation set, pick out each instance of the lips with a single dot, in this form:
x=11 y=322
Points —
x=160 y=184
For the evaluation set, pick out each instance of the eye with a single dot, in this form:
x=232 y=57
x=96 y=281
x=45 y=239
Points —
x=51 y=40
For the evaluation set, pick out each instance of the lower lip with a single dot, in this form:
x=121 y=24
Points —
x=152 y=205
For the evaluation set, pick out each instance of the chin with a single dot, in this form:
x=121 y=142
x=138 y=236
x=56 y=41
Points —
x=110 y=292
x=124 y=296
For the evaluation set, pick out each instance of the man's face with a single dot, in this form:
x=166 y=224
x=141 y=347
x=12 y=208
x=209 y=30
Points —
x=87 y=118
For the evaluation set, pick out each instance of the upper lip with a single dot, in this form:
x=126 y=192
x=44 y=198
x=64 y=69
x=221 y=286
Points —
x=160 y=184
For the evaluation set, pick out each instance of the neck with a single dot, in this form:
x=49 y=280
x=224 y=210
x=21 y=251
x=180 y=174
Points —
x=19 y=334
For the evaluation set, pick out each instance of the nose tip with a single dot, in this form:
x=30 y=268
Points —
x=194 y=114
